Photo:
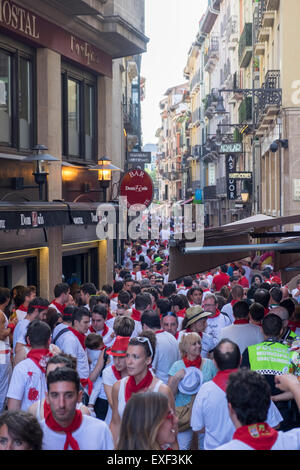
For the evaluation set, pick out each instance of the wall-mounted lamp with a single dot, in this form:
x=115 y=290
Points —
x=104 y=169
x=41 y=160
x=245 y=196
x=275 y=145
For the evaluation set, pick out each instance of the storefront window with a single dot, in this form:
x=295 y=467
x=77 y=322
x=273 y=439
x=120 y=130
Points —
x=73 y=118
x=25 y=106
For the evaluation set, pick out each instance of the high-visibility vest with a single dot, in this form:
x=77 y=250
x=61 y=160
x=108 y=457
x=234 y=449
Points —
x=269 y=358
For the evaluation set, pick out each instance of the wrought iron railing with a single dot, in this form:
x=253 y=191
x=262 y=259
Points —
x=270 y=96
x=245 y=43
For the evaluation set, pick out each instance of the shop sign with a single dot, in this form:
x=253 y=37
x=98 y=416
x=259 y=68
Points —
x=137 y=187
x=230 y=182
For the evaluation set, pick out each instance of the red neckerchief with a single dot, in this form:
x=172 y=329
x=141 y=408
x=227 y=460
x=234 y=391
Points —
x=188 y=330
x=76 y=423
x=40 y=357
x=233 y=302
x=117 y=374
x=181 y=313
x=159 y=331
x=136 y=314
x=259 y=436
x=109 y=315
x=216 y=314
x=241 y=321
x=131 y=387
x=79 y=336
x=87 y=383
x=113 y=296
x=59 y=307
x=266 y=311
x=92 y=329
x=177 y=334
x=221 y=378
x=22 y=308
x=195 y=363
x=294 y=325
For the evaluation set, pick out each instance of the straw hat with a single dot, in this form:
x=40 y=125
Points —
x=194 y=314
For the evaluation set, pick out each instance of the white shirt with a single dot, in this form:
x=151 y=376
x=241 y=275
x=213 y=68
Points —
x=107 y=339
x=215 y=325
x=166 y=353
x=210 y=411
x=110 y=379
x=93 y=434
x=289 y=440
x=243 y=335
x=229 y=310
x=71 y=345
x=19 y=333
x=27 y=384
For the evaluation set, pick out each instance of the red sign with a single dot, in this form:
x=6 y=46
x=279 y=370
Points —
x=137 y=186
x=42 y=33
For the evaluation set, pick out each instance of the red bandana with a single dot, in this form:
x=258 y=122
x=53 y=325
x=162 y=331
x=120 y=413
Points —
x=79 y=336
x=87 y=383
x=109 y=315
x=131 y=387
x=241 y=321
x=177 y=334
x=59 y=307
x=117 y=374
x=221 y=378
x=40 y=357
x=294 y=325
x=181 y=313
x=216 y=314
x=233 y=302
x=259 y=436
x=266 y=311
x=195 y=363
x=76 y=423
x=159 y=331
x=136 y=315
x=104 y=331
x=22 y=308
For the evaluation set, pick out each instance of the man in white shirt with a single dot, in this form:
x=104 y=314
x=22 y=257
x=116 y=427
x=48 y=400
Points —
x=237 y=293
x=217 y=320
x=98 y=325
x=64 y=426
x=37 y=308
x=242 y=332
x=28 y=383
x=26 y=297
x=86 y=290
x=249 y=416
x=167 y=349
x=210 y=411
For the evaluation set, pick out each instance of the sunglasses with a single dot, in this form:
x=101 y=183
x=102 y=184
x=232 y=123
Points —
x=142 y=339
x=170 y=416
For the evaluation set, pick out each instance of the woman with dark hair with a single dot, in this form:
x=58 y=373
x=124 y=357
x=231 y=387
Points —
x=148 y=423
x=20 y=431
x=139 y=356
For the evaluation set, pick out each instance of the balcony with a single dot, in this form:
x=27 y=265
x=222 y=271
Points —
x=195 y=82
x=268 y=104
x=212 y=55
x=209 y=193
x=232 y=35
x=272 y=5
x=245 y=46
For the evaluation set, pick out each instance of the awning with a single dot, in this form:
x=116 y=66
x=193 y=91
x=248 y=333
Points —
x=236 y=234
x=32 y=215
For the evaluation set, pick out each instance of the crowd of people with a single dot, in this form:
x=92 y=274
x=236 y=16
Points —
x=206 y=362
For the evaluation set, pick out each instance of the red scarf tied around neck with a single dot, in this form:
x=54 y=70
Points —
x=76 y=423
x=116 y=373
x=131 y=387
x=195 y=363
x=222 y=377
x=259 y=436
x=79 y=336
x=40 y=357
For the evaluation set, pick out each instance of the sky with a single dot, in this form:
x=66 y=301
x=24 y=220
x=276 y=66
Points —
x=171 y=26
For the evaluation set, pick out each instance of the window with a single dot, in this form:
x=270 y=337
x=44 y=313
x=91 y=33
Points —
x=79 y=115
x=16 y=98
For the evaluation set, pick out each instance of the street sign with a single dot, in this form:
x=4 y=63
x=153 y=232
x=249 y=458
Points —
x=236 y=147
x=139 y=157
x=241 y=175
x=137 y=187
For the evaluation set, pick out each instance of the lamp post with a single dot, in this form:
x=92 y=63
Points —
x=40 y=159
x=104 y=169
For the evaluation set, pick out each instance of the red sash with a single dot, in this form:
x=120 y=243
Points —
x=79 y=336
x=195 y=363
x=131 y=387
x=136 y=315
x=59 y=307
x=76 y=423
x=117 y=374
x=40 y=358
x=259 y=436
x=221 y=378
x=241 y=321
